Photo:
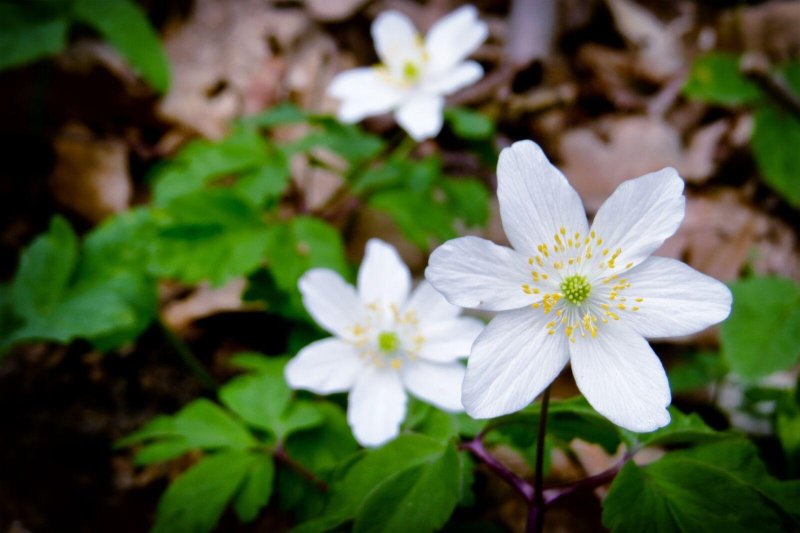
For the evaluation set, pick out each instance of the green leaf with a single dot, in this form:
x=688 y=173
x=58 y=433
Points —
x=29 y=33
x=59 y=298
x=697 y=370
x=208 y=235
x=194 y=502
x=682 y=429
x=367 y=473
x=421 y=498
x=468 y=200
x=404 y=207
x=262 y=167
x=347 y=140
x=787 y=428
x=256 y=489
x=160 y=451
x=281 y=114
x=123 y=24
x=259 y=399
x=159 y=427
x=775 y=135
x=205 y=425
x=715 y=487
x=716 y=78
x=469 y=124
x=762 y=334
x=300 y=415
x=297 y=246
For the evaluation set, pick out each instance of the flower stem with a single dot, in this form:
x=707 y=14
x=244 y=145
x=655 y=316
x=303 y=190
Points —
x=188 y=358
x=536 y=515
x=476 y=448
x=282 y=457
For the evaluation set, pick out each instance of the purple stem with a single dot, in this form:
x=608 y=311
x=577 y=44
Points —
x=554 y=494
x=476 y=448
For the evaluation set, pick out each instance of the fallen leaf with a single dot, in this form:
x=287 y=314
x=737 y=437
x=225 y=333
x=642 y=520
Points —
x=91 y=175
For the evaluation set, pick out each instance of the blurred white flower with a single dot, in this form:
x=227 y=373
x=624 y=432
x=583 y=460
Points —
x=385 y=342
x=415 y=74
x=568 y=292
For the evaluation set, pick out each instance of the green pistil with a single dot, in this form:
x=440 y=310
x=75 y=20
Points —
x=411 y=71
x=576 y=288
x=388 y=342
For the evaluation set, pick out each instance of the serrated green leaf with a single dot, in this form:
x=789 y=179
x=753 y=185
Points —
x=284 y=113
x=300 y=415
x=469 y=124
x=762 y=334
x=194 y=502
x=419 y=499
x=775 y=135
x=208 y=235
x=675 y=493
x=682 y=429
x=256 y=489
x=716 y=78
x=347 y=140
x=205 y=425
x=30 y=33
x=160 y=427
x=123 y=24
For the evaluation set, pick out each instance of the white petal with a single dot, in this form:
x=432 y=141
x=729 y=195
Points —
x=383 y=276
x=437 y=384
x=430 y=305
x=640 y=215
x=363 y=93
x=331 y=301
x=676 y=299
x=449 y=340
x=454 y=37
x=376 y=406
x=454 y=79
x=325 y=366
x=421 y=116
x=476 y=273
x=535 y=198
x=396 y=40
x=512 y=361
x=622 y=378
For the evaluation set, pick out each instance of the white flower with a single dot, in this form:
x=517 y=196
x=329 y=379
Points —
x=385 y=342
x=415 y=73
x=568 y=292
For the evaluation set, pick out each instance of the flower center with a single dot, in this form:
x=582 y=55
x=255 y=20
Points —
x=411 y=71
x=388 y=342
x=575 y=288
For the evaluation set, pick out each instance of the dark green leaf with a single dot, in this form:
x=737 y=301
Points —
x=419 y=499
x=160 y=451
x=29 y=33
x=762 y=334
x=682 y=429
x=716 y=78
x=123 y=24
x=194 y=502
x=775 y=136
x=697 y=370
x=279 y=115
x=256 y=489
x=259 y=399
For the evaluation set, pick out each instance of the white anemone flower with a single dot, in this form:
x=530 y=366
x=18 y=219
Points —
x=571 y=292
x=415 y=74
x=387 y=340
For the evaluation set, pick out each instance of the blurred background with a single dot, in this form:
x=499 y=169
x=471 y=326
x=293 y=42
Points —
x=97 y=98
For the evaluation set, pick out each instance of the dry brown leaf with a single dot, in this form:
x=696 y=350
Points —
x=205 y=301
x=770 y=28
x=333 y=10
x=91 y=175
x=222 y=65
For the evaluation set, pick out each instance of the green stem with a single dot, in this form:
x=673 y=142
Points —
x=188 y=358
